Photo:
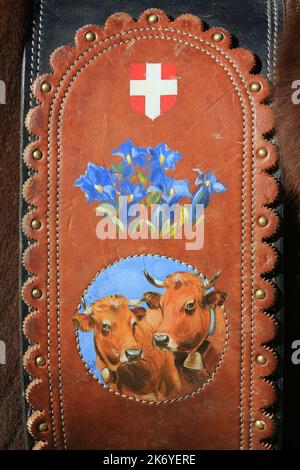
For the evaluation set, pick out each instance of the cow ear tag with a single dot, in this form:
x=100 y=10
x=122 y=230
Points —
x=194 y=361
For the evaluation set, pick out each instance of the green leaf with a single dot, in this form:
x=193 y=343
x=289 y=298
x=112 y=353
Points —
x=173 y=230
x=104 y=209
x=117 y=168
x=153 y=198
x=142 y=178
x=184 y=215
x=199 y=220
x=118 y=224
x=166 y=228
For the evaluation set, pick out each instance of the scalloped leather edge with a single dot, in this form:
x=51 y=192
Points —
x=35 y=195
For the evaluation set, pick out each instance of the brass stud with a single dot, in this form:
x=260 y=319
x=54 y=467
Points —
x=35 y=224
x=37 y=154
x=43 y=427
x=260 y=424
x=261 y=359
x=36 y=293
x=46 y=87
x=260 y=294
x=153 y=18
x=262 y=152
x=90 y=36
x=217 y=37
x=262 y=221
x=40 y=361
x=255 y=87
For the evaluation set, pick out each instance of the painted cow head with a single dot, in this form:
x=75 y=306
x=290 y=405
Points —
x=186 y=303
x=113 y=320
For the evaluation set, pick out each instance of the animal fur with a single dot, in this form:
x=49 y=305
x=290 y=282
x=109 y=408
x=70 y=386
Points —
x=288 y=134
x=13 y=26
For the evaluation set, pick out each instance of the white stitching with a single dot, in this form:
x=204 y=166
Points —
x=36 y=40
x=48 y=260
x=160 y=401
x=31 y=74
x=275 y=38
x=269 y=26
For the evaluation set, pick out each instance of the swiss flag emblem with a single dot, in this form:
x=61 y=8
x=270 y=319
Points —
x=153 y=88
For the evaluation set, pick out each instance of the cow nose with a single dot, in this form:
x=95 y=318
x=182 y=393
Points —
x=161 y=340
x=133 y=354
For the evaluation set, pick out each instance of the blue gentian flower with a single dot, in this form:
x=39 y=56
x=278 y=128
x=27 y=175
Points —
x=162 y=158
x=132 y=156
x=171 y=190
x=98 y=184
x=208 y=185
x=133 y=192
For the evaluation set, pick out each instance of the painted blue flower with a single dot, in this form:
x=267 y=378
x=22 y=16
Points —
x=98 y=184
x=170 y=189
x=162 y=158
x=208 y=185
x=133 y=192
x=132 y=156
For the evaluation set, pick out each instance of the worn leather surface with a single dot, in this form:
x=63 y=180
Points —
x=233 y=399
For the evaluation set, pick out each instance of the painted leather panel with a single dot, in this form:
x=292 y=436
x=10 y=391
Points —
x=216 y=124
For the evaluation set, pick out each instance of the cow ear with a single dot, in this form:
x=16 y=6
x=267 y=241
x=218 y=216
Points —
x=214 y=299
x=152 y=299
x=139 y=312
x=84 y=322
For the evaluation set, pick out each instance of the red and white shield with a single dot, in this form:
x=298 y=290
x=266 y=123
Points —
x=153 y=88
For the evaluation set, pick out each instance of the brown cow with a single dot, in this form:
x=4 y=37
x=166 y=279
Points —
x=125 y=354
x=193 y=318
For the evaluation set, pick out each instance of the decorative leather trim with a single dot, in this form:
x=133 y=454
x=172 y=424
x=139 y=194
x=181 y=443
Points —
x=66 y=62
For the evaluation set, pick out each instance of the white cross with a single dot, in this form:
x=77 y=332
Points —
x=153 y=88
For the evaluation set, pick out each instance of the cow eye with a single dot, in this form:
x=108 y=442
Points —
x=190 y=307
x=133 y=324
x=106 y=326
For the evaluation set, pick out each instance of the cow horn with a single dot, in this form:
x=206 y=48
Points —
x=214 y=278
x=152 y=280
x=86 y=309
x=83 y=303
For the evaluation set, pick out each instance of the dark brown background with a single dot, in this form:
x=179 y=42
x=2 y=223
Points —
x=14 y=26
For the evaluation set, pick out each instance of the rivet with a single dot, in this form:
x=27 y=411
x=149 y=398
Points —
x=35 y=224
x=260 y=294
x=40 y=361
x=90 y=36
x=43 y=427
x=262 y=221
x=36 y=293
x=153 y=18
x=46 y=87
x=217 y=37
x=260 y=424
x=37 y=154
x=255 y=87
x=261 y=359
x=262 y=152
